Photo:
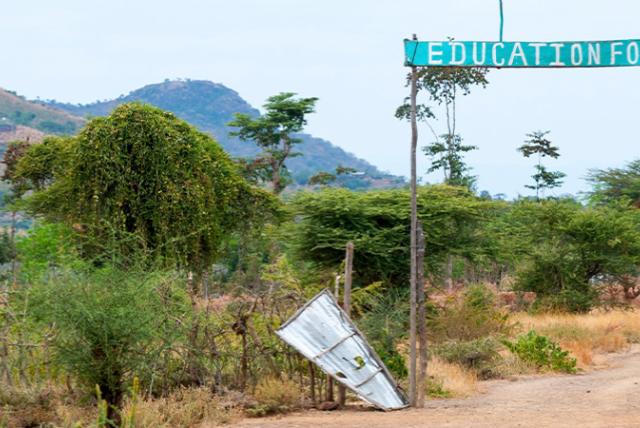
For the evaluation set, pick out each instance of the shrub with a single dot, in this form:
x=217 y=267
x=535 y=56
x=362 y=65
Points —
x=572 y=301
x=109 y=325
x=542 y=352
x=474 y=315
x=480 y=355
x=447 y=380
x=275 y=395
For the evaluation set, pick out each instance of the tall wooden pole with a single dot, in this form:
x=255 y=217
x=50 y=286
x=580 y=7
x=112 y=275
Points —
x=422 y=320
x=346 y=303
x=414 y=228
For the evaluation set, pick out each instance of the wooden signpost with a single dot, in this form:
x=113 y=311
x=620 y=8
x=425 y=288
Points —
x=498 y=54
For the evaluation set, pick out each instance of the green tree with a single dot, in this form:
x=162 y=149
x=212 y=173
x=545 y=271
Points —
x=326 y=178
x=273 y=133
x=566 y=248
x=378 y=222
x=616 y=184
x=444 y=85
x=538 y=144
x=145 y=181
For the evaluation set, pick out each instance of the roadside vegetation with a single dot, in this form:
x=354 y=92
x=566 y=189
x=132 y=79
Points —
x=148 y=291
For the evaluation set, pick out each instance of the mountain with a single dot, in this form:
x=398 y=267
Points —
x=16 y=111
x=210 y=106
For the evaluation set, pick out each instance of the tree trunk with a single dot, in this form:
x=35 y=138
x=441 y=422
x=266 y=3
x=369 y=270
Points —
x=276 y=179
x=414 y=223
x=449 y=273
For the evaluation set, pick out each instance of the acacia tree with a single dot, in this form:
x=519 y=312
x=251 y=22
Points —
x=538 y=144
x=272 y=132
x=323 y=178
x=444 y=85
x=143 y=180
x=615 y=184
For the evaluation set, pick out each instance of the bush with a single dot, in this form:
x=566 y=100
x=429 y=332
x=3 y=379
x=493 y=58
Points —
x=110 y=325
x=473 y=316
x=275 y=395
x=572 y=301
x=385 y=325
x=542 y=352
x=480 y=355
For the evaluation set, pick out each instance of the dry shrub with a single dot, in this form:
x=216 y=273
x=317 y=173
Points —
x=585 y=335
x=44 y=405
x=510 y=365
x=274 y=395
x=187 y=407
x=453 y=380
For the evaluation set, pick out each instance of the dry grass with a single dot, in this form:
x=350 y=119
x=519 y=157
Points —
x=455 y=380
x=274 y=395
x=188 y=407
x=53 y=406
x=586 y=335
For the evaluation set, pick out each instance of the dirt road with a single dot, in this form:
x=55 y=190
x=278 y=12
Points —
x=606 y=398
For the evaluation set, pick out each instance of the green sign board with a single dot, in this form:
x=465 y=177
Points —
x=615 y=53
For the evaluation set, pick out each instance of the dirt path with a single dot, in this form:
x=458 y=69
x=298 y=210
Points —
x=605 y=398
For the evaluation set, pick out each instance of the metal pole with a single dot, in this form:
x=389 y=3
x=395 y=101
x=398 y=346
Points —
x=501 y=20
x=414 y=228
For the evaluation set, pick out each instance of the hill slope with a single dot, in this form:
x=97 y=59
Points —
x=210 y=106
x=17 y=111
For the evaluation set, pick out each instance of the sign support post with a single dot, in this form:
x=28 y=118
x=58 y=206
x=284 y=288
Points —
x=414 y=250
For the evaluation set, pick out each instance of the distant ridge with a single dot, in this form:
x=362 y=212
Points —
x=206 y=105
x=210 y=106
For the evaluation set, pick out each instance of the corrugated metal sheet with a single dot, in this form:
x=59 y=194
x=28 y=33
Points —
x=323 y=333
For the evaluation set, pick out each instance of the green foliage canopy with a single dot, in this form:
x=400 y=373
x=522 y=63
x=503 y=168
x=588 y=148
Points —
x=378 y=224
x=616 y=184
x=568 y=247
x=147 y=179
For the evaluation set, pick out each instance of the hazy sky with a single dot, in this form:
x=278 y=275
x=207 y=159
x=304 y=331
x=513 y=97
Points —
x=349 y=54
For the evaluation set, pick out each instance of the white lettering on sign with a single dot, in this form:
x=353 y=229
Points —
x=518 y=52
x=433 y=53
x=537 y=47
x=633 y=53
x=479 y=60
x=495 y=54
x=458 y=48
x=576 y=54
x=594 y=54
x=557 y=47
x=615 y=52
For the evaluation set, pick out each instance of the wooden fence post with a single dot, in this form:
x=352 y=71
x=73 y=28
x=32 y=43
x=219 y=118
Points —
x=346 y=303
x=421 y=384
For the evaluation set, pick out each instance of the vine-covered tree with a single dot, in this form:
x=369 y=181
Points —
x=273 y=133
x=539 y=145
x=444 y=85
x=144 y=180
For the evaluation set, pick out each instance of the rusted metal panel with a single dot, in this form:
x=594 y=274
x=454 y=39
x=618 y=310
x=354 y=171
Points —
x=323 y=333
